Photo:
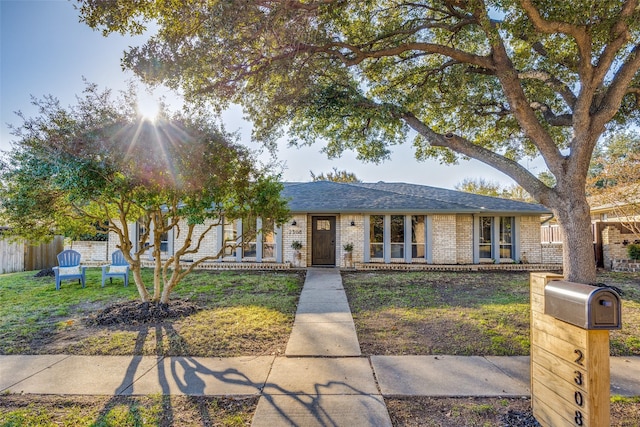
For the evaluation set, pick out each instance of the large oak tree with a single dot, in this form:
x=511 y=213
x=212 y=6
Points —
x=493 y=80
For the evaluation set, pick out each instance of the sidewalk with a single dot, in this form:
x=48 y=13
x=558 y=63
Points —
x=323 y=380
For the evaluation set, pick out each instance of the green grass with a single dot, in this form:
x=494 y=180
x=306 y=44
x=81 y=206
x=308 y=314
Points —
x=243 y=313
x=475 y=313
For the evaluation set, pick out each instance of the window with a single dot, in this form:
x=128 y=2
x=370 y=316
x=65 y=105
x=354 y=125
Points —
x=269 y=245
x=142 y=229
x=323 y=225
x=164 y=242
x=230 y=237
x=506 y=237
x=250 y=248
x=496 y=237
x=164 y=238
x=486 y=232
x=418 y=244
x=397 y=236
x=268 y=238
x=376 y=236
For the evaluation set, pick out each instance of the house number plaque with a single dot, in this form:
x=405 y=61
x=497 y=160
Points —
x=578 y=395
x=570 y=376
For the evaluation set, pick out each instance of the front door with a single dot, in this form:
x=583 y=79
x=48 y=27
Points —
x=323 y=236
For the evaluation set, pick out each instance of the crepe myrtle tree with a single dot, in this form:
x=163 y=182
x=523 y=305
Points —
x=99 y=162
x=493 y=80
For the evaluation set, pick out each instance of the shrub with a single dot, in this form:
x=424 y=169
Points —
x=634 y=251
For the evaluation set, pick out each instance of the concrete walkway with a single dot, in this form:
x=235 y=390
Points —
x=330 y=385
x=323 y=381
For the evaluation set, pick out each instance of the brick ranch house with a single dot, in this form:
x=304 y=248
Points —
x=393 y=225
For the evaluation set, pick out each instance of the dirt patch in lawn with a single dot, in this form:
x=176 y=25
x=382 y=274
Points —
x=486 y=412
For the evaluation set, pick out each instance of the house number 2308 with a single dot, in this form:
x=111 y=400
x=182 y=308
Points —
x=577 y=396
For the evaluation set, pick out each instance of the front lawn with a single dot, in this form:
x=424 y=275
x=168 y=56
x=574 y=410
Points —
x=463 y=313
x=241 y=313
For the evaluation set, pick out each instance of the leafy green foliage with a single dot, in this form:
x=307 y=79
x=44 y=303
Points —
x=634 y=251
x=75 y=169
x=335 y=176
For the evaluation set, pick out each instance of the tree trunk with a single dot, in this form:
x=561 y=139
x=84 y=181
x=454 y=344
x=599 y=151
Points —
x=137 y=278
x=573 y=215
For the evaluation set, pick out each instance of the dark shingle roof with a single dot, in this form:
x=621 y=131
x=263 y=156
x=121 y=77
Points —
x=382 y=197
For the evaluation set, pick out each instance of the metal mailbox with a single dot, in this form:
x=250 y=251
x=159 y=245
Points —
x=586 y=306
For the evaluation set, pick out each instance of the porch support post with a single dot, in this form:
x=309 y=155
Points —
x=387 y=239
x=259 y=235
x=278 y=237
x=220 y=239
x=408 y=245
x=495 y=239
x=428 y=238
x=239 y=241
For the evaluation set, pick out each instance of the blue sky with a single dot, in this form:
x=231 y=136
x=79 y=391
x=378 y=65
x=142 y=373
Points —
x=45 y=50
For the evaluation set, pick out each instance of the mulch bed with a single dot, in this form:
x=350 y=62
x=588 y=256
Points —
x=47 y=272
x=136 y=313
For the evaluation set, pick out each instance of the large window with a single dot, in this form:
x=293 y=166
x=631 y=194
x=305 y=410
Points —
x=397 y=236
x=418 y=244
x=376 y=236
x=496 y=238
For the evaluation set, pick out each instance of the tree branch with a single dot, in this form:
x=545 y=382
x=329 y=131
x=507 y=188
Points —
x=553 y=82
x=578 y=33
x=620 y=35
x=521 y=108
x=463 y=146
x=563 y=120
x=359 y=55
x=620 y=86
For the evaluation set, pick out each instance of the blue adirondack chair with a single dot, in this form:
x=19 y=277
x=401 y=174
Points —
x=119 y=267
x=69 y=268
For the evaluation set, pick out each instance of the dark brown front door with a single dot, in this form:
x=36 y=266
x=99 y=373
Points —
x=323 y=237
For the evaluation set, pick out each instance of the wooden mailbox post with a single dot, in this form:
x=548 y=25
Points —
x=570 y=377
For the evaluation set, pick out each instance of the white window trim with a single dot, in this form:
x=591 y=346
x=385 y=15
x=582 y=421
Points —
x=495 y=238
x=408 y=244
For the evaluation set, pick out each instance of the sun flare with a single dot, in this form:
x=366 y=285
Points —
x=148 y=108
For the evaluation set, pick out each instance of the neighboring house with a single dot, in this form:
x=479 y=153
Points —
x=387 y=223
x=613 y=226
